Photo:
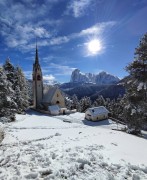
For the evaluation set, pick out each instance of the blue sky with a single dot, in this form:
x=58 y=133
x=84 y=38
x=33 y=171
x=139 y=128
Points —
x=64 y=31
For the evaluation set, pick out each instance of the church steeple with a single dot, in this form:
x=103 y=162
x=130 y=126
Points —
x=37 y=81
x=36 y=55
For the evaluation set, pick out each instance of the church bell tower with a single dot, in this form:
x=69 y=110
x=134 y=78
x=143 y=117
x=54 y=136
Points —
x=37 y=82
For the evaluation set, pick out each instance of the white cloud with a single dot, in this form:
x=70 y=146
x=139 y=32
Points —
x=50 y=22
x=23 y=34
x=58 y=69
x=28 y=74
x=48 y=58
x=95 y=30
x=41 y=32
x=78 y=7
x=59 y=40
x=49 y=77
x=18 y=21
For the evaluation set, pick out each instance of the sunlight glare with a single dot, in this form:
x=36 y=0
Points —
x=94 y=46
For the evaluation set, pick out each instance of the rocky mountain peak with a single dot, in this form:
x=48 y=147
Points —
x=101 y=78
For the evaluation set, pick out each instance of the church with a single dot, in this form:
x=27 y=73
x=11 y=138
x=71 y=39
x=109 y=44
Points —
x=45 y=97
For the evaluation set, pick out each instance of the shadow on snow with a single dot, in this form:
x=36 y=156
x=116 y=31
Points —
x=96 y=123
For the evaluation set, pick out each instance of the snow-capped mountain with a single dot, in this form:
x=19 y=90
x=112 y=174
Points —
x=101 y=78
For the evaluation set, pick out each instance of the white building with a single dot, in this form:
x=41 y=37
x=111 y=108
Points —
x=96 y=113
x=54 y=109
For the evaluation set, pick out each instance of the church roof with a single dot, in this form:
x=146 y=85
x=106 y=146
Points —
x=48 y=94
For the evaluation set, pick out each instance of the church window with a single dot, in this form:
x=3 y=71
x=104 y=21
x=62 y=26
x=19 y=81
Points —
x=38 y=77
x=57 y=102
x=57 y=95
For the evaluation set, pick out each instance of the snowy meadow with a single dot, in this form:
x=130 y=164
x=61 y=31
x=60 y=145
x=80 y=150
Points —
x=37 y=146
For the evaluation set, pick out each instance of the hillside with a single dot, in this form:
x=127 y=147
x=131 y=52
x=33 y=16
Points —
x=37 y=146
x=84 y=89
x=93 y=90
x=111 y=92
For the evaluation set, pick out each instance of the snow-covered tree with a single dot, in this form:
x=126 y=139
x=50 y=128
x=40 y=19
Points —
x=17 y=79
x=75 y=101
x=21 y=90
x=7 y=104
x=138 y=68
x=10 y=72
x=68 y=102
x=85 y=103
x=136 y=96
x=100 y=101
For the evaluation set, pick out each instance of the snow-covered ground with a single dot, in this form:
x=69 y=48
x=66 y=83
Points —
x=37 y=146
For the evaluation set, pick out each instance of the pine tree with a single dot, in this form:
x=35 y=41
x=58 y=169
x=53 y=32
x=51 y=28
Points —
x=7 y=104
x=68 y=102
x=100 y=101
x=138 y=68
x=85 y=103
x=136 y=96
x=10 y=72
x=75 y=101
x=21 y=90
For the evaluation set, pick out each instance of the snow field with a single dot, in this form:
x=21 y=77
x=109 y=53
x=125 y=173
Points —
x=42 y=147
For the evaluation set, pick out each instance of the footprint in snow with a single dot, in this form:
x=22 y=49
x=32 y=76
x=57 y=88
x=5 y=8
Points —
x=57 y=134
x=115 y=144
x=31 y=176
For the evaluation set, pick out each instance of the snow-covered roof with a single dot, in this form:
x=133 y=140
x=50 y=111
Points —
x=48 y=94
x=98 y=110
x=53 y=108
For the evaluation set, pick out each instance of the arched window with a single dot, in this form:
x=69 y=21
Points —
x=57 y=102
x=57 y=95
x=38 y=77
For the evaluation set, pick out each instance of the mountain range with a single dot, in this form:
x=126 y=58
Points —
x=93 y=85
x=102 y=78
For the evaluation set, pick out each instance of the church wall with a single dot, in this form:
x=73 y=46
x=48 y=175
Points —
x=58 y=98
x=39 y=92
x=37 y=88
x=34 y=94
